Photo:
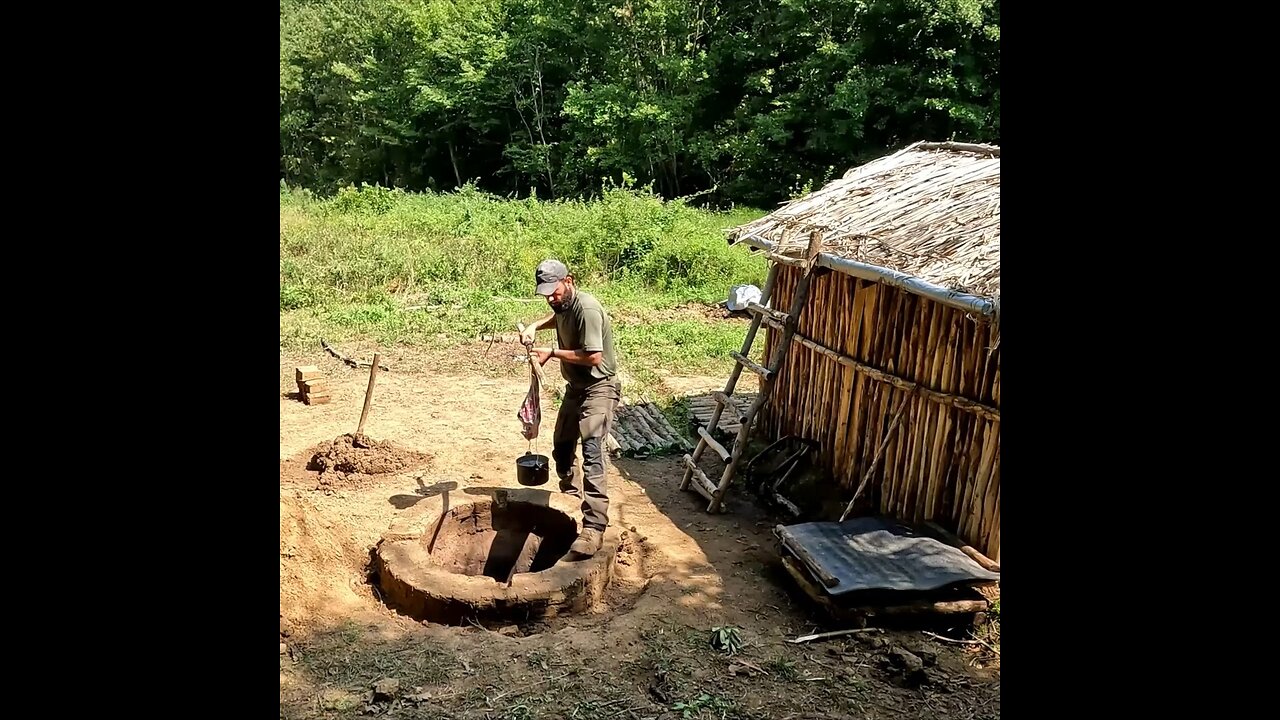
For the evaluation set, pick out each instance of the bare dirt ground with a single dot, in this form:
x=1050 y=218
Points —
x=644 y=652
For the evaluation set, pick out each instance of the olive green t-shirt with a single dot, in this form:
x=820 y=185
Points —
x=585 y=326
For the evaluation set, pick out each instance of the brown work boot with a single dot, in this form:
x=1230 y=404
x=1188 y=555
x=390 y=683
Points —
x=588 y=542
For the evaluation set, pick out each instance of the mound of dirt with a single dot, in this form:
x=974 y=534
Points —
x=352 y=459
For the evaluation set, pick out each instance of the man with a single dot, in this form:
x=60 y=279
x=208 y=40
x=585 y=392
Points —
x=588 y=363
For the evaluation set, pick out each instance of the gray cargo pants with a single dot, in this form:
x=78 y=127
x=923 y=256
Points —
x=586 y=414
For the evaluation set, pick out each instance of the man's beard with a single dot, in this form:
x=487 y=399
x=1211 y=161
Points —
x=563 y=305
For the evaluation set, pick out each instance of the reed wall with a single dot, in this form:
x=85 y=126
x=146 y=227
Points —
x=942 y=460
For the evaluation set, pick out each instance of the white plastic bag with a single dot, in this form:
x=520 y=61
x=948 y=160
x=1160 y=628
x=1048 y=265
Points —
x=740 y=295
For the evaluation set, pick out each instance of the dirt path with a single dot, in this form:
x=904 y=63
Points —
x=644 y=653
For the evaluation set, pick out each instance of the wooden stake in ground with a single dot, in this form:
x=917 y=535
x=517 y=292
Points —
x=368 y=393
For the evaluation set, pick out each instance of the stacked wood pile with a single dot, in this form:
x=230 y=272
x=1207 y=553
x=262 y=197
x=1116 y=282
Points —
x=902 y=394
x=640 y=429
x=701 y=407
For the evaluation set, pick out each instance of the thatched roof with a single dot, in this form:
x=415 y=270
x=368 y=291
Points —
x=930 y=212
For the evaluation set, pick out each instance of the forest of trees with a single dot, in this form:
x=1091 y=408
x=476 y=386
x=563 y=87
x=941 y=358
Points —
x=740 y=101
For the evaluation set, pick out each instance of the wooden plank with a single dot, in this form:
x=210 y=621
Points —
x=784 y=260
x=701 y=484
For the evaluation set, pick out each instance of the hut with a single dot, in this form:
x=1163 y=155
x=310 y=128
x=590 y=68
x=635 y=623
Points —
x=893 y=361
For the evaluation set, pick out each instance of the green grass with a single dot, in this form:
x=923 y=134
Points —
x=413 y=269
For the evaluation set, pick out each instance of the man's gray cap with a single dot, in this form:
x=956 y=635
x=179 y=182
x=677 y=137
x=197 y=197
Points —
x=548 y=274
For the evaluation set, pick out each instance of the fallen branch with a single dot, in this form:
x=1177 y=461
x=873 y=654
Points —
x=833 y=633
x=749 y=664
x=349 y=361
x=975 y=641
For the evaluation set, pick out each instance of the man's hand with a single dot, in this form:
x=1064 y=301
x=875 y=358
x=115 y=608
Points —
x=543 y=355
x=527 y=333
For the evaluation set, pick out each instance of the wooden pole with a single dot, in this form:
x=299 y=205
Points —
x=897 y=417
x=533 y=362
x=879 y=375
x=368 y=393
x=948 y=537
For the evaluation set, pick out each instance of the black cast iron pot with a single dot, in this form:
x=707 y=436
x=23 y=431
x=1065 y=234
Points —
x=532 y=469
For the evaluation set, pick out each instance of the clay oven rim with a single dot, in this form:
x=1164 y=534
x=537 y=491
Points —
x=408 y=559
x=403 y=548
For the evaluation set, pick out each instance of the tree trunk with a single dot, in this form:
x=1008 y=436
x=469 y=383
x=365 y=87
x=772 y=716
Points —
x=454 y=159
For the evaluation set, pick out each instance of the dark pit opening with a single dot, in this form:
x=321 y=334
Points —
x=501 y=540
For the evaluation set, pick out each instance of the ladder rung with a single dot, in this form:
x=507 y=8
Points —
x=777 y=316
x=725 y=402
x=700 y=481
x=760 y=370
x=773 y=323
x=713 y=444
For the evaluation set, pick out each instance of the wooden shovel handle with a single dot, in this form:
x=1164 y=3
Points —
x=533 y=362
x=368 y=393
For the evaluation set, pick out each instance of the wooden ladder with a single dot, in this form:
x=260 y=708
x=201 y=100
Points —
x=761 y=313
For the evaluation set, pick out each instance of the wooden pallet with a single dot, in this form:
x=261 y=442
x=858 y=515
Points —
x=703 y=407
